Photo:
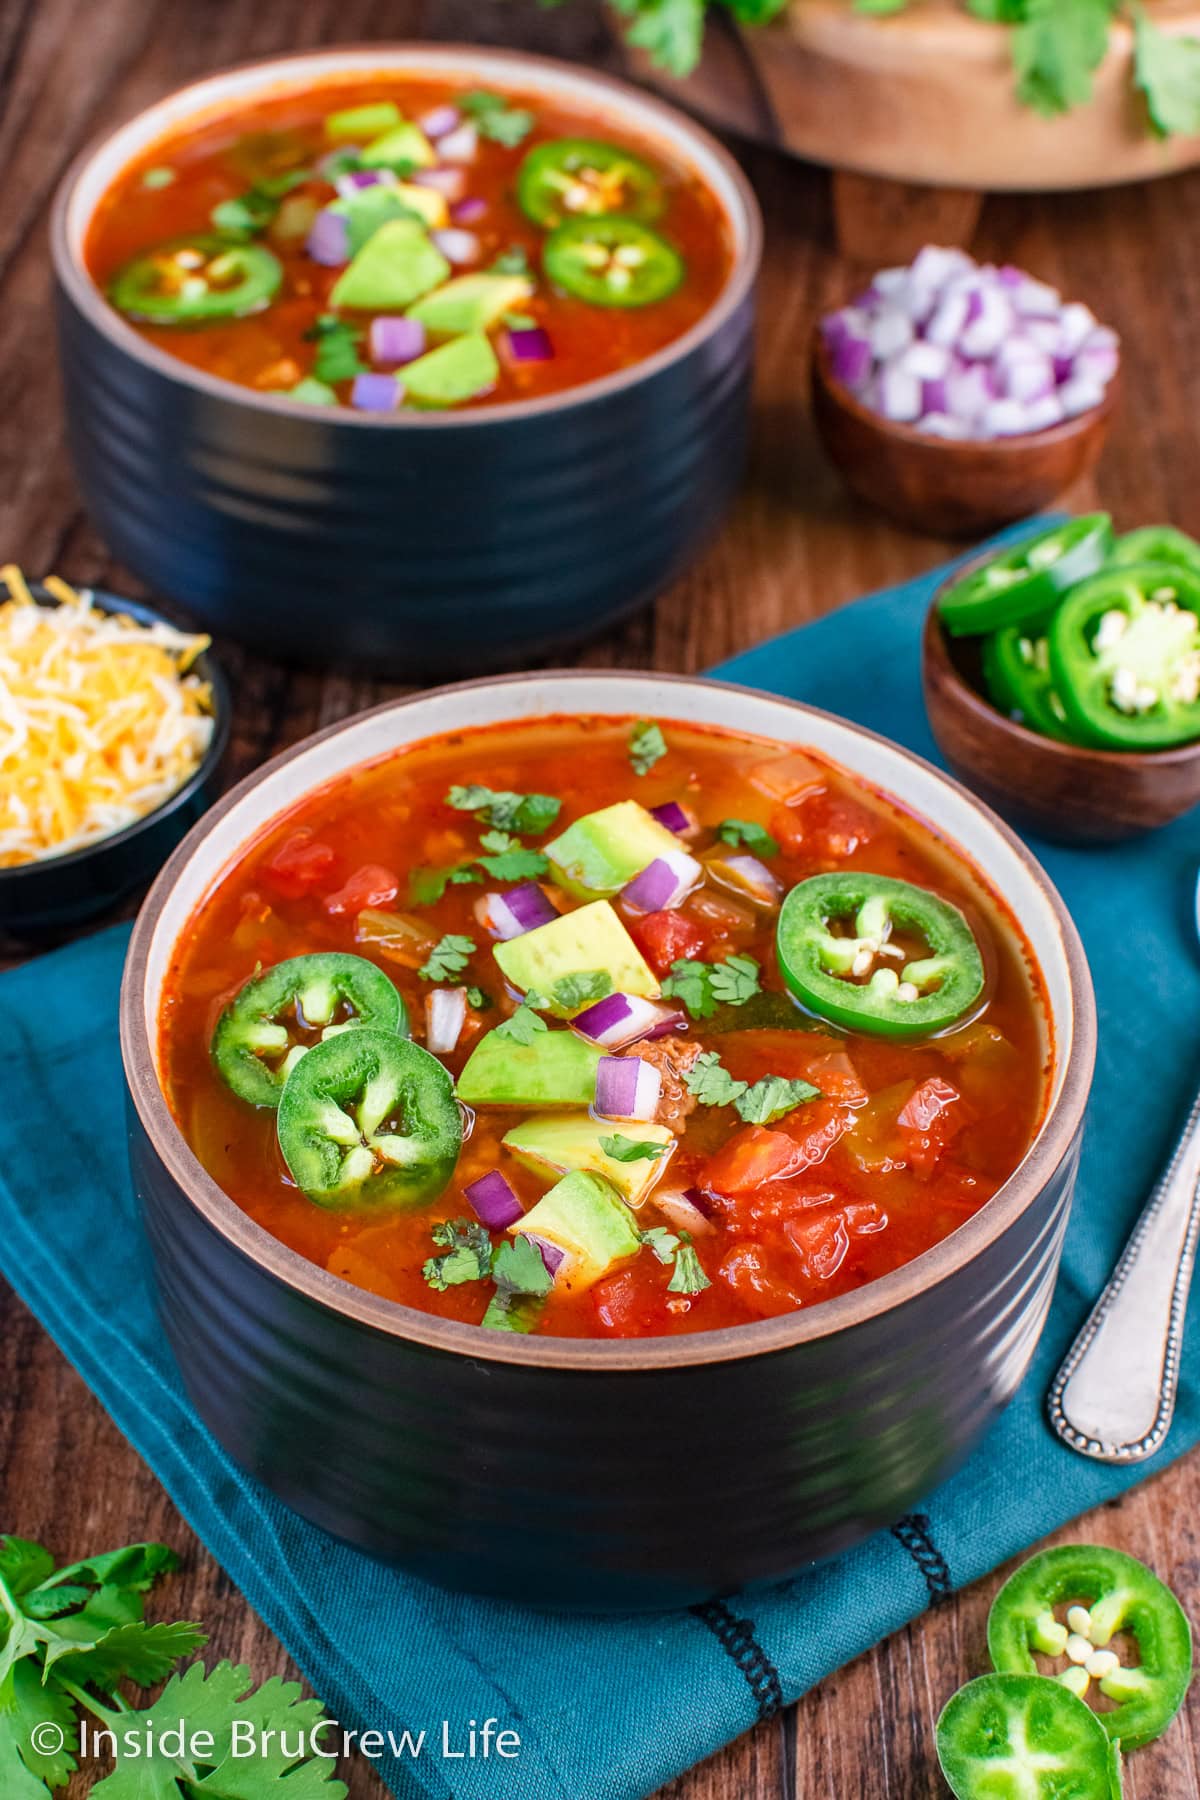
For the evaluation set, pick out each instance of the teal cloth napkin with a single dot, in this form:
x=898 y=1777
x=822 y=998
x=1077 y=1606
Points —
x=605 y=1709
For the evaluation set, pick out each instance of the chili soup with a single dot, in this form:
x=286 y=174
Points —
x=392 y=241
x=604 y=1028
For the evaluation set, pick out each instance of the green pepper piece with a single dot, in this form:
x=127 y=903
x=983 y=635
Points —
x=612 y=261
x=370 y=1119
x=1020 y=1737
x=1125 y=657
x=196 y=280
x=1158 y=544
x=260 y=1035
x=570 y=177
x=1119 y=1602
x=1026 y=581
x=1016 y=671
x=847 y=980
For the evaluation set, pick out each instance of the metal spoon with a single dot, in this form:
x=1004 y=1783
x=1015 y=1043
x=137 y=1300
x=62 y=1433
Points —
x=1114 y=1396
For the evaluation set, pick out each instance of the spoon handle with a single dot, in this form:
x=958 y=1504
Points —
x=1114 y=1397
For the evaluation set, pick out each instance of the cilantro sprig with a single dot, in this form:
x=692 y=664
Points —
x=647 y=745
x=336 y=356
x=709 y=1082
x=496 y=118
x=524 y=1025
x=744 y=831
x=528 y=814
x=624 y=1149
x=522 y=1280
x=466 y=1254
x=702 y=987
x=570 y=992
x=449 y=957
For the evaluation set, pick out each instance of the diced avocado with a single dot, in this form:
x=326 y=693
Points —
x=404 y=147
x=556 y=1069
x=362 y=122
x=470 y=303
x=366 y=209
x=395 y=266
x=555 y=1143
x=576 y=943
x=603 y=851
x=584 y=1217
x=455 y=371
x=432 y=207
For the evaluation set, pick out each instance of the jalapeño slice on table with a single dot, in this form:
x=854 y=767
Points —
x=1016 y=671
x=612 y=261
x=1125 y=657
x=1019 y=1737
x=275 y=1018
x=858 y=977
x=370 y=1119
x=1102 y=1621
x=570 y=177
x=1023 y=583
x=1158 y=544
x=197 y=280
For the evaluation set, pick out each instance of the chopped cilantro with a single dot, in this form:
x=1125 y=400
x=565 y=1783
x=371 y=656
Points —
x=662 y=1242
x=478 y=999
x=336 y=357
x=735 y=980
x=522 y=1280
x=498 y=841
x=467 y=1254
x=515 y=865
x=688 y=1275
x=517 y=321
x=526 y=1022
x=710 y=1082
x=745 y=831
x=495 y=118
x=448 y=957
x=512 y=261
x=703 y=986
x=772 y=1097
x=624 y=1149
x=340 y=162
x=647 y=745
x=426 y=886
x=528 y=813
x=249 y=214
x=161 y=177
x=573 y=991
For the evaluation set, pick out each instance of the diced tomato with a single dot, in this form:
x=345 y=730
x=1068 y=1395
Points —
x=751 y=1157
x=666 y=937
x=931 y=1119
x=789 y=830
x=821 y=1240
x=630 y=1303
x=300 y=865
x=838 y=1079
x=760 y=1280
x=864 y=1218
x=816 y=1128
x=836 y=828
x=789 y=778
x=372 y=885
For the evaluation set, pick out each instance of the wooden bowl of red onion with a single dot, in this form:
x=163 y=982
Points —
x=958 y=398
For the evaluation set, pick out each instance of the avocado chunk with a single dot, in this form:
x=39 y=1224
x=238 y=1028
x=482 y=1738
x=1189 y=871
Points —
x=603 y=851
x=557 y=1143
x=395 y=266
x=470 y=303
x=464 y=367
x=404 y=147
x=362 y=122
x=557 y=1069
x=576 y=943
x=584 y=1217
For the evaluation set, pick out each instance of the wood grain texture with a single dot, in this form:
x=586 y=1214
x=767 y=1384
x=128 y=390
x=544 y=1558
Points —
x=795 y=546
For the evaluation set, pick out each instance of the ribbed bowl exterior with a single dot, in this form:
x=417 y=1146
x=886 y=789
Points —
x=606 y=1489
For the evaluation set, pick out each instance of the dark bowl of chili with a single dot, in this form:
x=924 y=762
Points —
x=1066 y=792
x=412 y=541
x=547 y=1468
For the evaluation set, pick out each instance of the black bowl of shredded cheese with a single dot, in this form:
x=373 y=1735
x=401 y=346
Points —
x=113 y=724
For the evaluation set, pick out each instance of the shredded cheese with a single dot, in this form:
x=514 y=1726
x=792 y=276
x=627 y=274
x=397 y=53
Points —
x=100 y=721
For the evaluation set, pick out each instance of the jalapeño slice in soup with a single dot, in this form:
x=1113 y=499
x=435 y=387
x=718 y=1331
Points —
x=701 y=1030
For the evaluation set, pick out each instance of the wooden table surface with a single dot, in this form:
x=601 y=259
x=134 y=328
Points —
x=794 y=547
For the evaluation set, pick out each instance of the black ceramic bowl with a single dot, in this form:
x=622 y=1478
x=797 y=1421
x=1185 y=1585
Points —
x=602 y=1474
x=43 y=897
x=410 y=543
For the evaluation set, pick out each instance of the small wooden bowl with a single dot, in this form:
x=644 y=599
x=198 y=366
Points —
x=951 y=488
x=1064 y=792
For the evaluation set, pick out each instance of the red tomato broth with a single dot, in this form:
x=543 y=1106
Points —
x=844 y=1189
x=589 y=341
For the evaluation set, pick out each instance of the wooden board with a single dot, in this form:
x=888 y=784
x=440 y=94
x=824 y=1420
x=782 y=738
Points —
x=794 y=547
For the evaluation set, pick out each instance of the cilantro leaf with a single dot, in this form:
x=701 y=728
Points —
x=499 y=841
x=703 y=986
x=688 y=1275
x=570 y=992
x=1057 y=49
x=24 y=1704
x=669 y=31
x=477 y=999
x=745 y=831
x=735 y=980
x=528 y=813
x=526 y=1022
x=133 y=1652
x=138 y=1566
x=513 y=261
x=426 y=886
x=467 y=1254
x=515 y=865
x=710 y=1082
x=647 y=745
x=624 y=1149
x=662 y=1242
x=772 y=1097
x=1167 y=69
x=448 y=957
x=522 y=1282
x=495 y=118
x=23 y=1564
x=336 y=357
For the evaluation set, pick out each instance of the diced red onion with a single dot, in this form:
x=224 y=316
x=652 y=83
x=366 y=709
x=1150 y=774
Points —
x=948 y=320
x=666 y=1027
x=889 y=332
x=373 y=392
x=531 y=344
x=1079 y=395
x=328 y=240
x=470 y=210
x=553 y=1255
x=675 y=817
x=493 y=1201
x=852 y=361
x=395 y=339
x=450 y=182
x=899 y=395
x=457 y=246
x=934 y=266
x=748 y=876
x=940 y=424
x=928 y=362
x=512 y=914
x=445 y=1016
x=683 y=1212
x=621 y=1019
x=440 y=120
x=933 y=398
x=988 y=324
x=627 y=1088
x=355 y=179
x=460 y=145
x=667 y=881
